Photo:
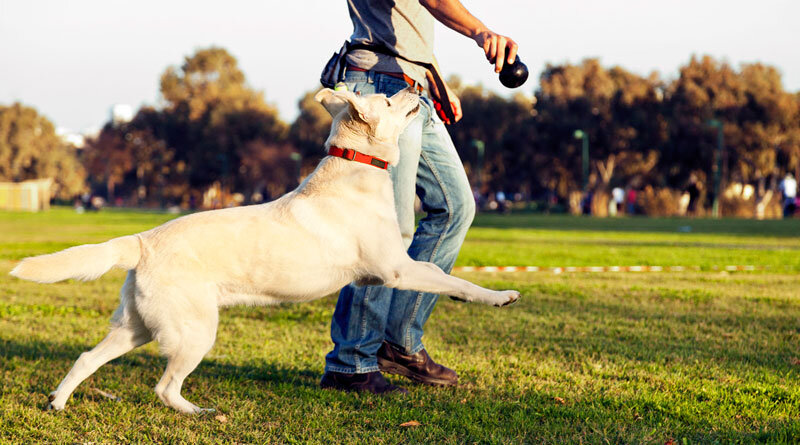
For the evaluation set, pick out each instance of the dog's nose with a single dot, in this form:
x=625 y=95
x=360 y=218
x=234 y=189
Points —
x=411 y=90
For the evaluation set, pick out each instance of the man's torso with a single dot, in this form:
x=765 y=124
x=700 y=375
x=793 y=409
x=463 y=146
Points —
x=403 y=27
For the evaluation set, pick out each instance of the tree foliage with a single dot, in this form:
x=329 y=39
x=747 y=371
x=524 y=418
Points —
x=204 y=133
x=642 y=130
x=30 y=149
x=311 y=127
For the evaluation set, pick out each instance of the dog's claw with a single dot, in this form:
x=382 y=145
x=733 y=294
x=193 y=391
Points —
x=510 y=302
x=513 y=298
x=50 y=407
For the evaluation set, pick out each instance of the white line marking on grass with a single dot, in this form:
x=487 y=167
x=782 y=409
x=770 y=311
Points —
x=573 y=269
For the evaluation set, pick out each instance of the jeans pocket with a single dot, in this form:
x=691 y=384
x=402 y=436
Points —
x=358 y=82
x=433 y=117
x=389 y=85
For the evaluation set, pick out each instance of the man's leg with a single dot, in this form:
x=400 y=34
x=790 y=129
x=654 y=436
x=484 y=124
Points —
x=447 y=199
x=359 y=321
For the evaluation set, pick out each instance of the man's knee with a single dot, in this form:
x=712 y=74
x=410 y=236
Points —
x=462 y=208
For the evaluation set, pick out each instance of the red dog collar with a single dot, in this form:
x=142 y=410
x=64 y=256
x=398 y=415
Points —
x=352 y=155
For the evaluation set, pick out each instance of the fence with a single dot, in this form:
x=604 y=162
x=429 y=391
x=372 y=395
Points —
x=33 y=195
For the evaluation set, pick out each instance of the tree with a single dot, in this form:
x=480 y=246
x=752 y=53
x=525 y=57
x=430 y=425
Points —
x=705 y=90
x=500 y=127
x=310 y=129
x=213 y=115
x=206 y=132
x=618 y=110
x=30 y=149
x=761 y=123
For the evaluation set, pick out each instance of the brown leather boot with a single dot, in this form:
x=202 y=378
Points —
x=419 y=367
x=373 y=382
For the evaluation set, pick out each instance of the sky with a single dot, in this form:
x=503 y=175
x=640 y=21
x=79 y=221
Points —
x=72 y=60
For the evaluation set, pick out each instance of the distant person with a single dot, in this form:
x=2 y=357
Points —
x=694 y=195
x=96 y=203
x=789 y=191
x=586 y=205
x=619 y=198
x=86 y=199
x=376 y=328
x=502 y=203
x=683 y=203
x=631 y=201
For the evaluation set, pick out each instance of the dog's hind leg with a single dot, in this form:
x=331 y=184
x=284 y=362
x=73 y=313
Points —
x=184 y=342
x=127 y=333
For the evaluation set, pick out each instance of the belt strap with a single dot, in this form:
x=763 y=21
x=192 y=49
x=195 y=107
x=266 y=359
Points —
x=352 y=155
x=437 y=77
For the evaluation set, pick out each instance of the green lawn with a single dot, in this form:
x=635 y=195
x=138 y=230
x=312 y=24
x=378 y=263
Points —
x=694 y=357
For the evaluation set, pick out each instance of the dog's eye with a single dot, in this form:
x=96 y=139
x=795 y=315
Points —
x=388 y=103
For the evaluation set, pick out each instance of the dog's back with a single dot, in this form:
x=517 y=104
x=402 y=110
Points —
x=299 y=247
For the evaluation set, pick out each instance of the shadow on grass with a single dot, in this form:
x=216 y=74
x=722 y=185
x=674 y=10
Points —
x=466 y=413
x=63 y=355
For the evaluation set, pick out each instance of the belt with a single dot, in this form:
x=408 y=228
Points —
x=403 y=76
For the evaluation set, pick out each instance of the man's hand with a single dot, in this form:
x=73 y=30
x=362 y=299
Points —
x=499 y=49
x=455 y=103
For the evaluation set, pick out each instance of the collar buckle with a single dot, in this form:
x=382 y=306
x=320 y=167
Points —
x=349 y=154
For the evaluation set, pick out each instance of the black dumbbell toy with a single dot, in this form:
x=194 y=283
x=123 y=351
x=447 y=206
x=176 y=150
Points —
x=514 y=74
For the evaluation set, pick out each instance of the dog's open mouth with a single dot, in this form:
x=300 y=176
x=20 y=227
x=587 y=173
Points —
x=413 y=110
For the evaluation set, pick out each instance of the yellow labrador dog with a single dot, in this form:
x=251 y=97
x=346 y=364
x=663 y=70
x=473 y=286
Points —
x=337 y=227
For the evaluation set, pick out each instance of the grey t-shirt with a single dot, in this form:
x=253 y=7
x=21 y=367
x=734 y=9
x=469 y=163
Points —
x=405 y=27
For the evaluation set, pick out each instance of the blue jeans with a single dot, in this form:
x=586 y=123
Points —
x=430 y=168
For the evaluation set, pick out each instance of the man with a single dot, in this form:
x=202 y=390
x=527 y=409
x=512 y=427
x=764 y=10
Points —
x=376 y=328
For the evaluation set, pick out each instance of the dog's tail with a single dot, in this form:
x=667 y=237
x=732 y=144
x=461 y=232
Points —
x=86 y=262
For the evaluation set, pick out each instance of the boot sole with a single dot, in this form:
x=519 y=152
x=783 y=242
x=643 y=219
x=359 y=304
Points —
x=394 y=368
x=392 y=392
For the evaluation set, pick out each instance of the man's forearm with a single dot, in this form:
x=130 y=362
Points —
x=455 y=16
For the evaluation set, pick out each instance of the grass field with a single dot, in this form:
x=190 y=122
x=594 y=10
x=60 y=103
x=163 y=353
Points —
x=689 y=357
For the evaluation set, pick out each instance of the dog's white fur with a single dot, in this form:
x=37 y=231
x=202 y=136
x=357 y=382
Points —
x=337 y=227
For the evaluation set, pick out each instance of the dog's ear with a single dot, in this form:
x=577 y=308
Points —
x=333 y=103
x=336 y=101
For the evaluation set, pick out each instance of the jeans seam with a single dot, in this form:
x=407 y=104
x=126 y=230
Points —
x=367 y=295
x=418 y=300
x=348 y=370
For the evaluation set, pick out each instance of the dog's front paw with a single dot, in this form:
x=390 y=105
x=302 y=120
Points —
x=52 y=405
x=508 y=297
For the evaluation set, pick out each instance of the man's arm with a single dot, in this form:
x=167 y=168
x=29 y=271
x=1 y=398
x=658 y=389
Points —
x=454 y=15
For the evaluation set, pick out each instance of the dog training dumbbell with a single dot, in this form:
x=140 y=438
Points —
x=513 y=75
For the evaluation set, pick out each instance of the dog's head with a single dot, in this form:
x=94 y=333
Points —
x=370 y=124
